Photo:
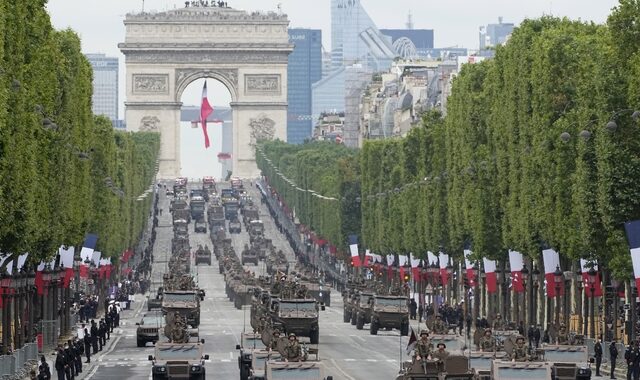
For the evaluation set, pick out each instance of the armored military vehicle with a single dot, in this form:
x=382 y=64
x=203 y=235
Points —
x=453 y=367
x=390 y=312
x=568 y=362
x=203 y=256
x=180 y=228
x=362 y=310
x=255 y=229
x=185 y=302
x=250 y=214
x=507 y=370
x=275 y=370
x=178 y=361
x=259 y=359
x=249 y=255
x=235 y=226
x=298 y=316
x=231 y=209
x=200 y=226
x=249 y=343
x=480 y=363
x=197 y=205
x=148 y=329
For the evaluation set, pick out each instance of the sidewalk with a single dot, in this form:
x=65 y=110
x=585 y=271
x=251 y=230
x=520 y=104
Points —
x=89 y=369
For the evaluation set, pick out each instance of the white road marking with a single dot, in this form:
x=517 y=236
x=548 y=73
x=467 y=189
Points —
x=226 y=360
x=372 y=360
x=349 y=360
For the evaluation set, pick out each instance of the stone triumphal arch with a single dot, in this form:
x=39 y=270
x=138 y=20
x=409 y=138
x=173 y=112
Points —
x=247 y=52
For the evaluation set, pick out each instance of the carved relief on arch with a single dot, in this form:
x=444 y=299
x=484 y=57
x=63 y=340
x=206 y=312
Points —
x=149 y=124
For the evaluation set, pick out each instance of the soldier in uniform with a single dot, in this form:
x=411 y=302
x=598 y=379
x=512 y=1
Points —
x=498 y=324
x=488 y=342
x=520 y=351
x=423 y=346
x=563 y=338
x=438 y=326
x=441 y=353
x=273 y=346
x=293 y=352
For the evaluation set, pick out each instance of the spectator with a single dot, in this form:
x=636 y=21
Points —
x=44 y=373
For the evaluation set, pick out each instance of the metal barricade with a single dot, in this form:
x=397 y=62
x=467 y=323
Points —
x=7 y=365
x=31 y=350
x=19 y=357
x=50 y=334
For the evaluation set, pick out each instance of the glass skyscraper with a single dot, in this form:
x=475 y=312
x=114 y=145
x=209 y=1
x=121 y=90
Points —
x=305 y=68
x=105 y=85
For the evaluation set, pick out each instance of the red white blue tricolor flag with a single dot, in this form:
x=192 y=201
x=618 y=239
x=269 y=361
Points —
x=490 y=273
x=551 y=260
x=585 y=266
x=633 y=236
x=205 y=111
x=468 y=265
x=516 y=262
x=353 y=248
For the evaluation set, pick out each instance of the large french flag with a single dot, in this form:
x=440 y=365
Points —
x=205 y=111
x=551 y=260
x=517 y=263
x=490 y=272
x=66 y=259
x=353 y=247
x=443 y=259
x=633 y=236
x=468 y=265
x=597 y=288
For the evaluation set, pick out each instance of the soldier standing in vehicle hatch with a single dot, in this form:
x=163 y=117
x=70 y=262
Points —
x=293 y=352
x=423 y=347
x=487 y=342
x=520 y=351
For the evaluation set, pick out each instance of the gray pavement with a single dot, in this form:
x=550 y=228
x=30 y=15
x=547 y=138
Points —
x=346 y=353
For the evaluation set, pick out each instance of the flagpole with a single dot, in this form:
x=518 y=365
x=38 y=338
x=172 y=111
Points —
x=400 y=352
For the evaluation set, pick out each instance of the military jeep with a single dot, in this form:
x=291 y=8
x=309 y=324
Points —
x=298 y=316
x=234 y=226
x=203 y=256
x=250 y=256
x=454 y=367
x=362 y=310
x=187 y=303
x=568 y=362
x=507 y=370
x=249 y=343
x=390 y=312
x=148 y=329
x=259 y=359
x=178 y=361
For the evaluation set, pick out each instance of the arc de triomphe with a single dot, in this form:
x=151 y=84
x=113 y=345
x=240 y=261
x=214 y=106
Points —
x=247 y=52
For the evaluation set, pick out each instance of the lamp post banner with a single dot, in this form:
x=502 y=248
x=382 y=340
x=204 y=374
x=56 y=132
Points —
x=490 y=272
x=517 y=263
x=633 y=236
x=597 y=288
x=443 y=259
x=551 y=262
x=468 y=265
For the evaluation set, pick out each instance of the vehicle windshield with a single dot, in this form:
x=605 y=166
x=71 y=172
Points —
x=179 y=297
x=295 y=373
x=562 y=356
x=287 y=307
x=252 y=342
x=178 y=352
x=522 y=373
x=197 y=205
x=481 y=363
x=398 y=302
x=152 y=321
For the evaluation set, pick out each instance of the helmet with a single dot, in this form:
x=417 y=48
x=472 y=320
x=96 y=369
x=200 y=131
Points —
x=292 y=335
x=424 y=332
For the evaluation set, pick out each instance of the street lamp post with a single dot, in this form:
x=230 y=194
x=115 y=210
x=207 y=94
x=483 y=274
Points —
x=525 y=282
x=558 y=278
x=592 y=287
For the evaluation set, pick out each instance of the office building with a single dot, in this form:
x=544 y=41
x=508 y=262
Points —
x=495 y=34
x=305 y=68
x=422 y=39
x=105 y=85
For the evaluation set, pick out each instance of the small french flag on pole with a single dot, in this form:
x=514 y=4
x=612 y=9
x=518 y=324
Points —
x=633 y=236
x=353 y=247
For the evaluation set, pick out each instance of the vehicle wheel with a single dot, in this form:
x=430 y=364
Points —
x=354 y=317
x=360 y=322
x=314 y=337
x=141 y=343
x=346 y=316
x=244 y=373
x=404 y=329
x=373 y=329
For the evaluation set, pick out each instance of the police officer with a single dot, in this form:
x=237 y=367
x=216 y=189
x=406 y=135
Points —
x=520 y=351
x=441 y=353
x=597 y=350
x=423 y=346
x=488 y=342
x=293 y=352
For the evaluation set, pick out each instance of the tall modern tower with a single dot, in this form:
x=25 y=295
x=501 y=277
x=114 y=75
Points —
x=105 y=85
x=495 y=34
x=305 y=68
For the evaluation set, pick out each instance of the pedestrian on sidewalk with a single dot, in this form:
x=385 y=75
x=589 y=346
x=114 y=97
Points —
x=94 y=337
x=87 y=345
x=44 y=373
x=597 y=348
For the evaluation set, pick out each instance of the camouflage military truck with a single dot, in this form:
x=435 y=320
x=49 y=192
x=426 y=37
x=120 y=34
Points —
x=348 y=299
x=568 y=362
x=454 y=367
x=178 y=361
x=250 y=214
x=184 y=302
x=255 y=229
x=203 y=256
x=249 y=255
x=231 y=209
x=148 y=329
x=390 y=312
x=197 y=206
x=249 y=343
x=234 y=226
x=275 y=370
x=507 y=370
x=362 y=308
x=180 y=228
x=200 y=226
x=298 y=316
